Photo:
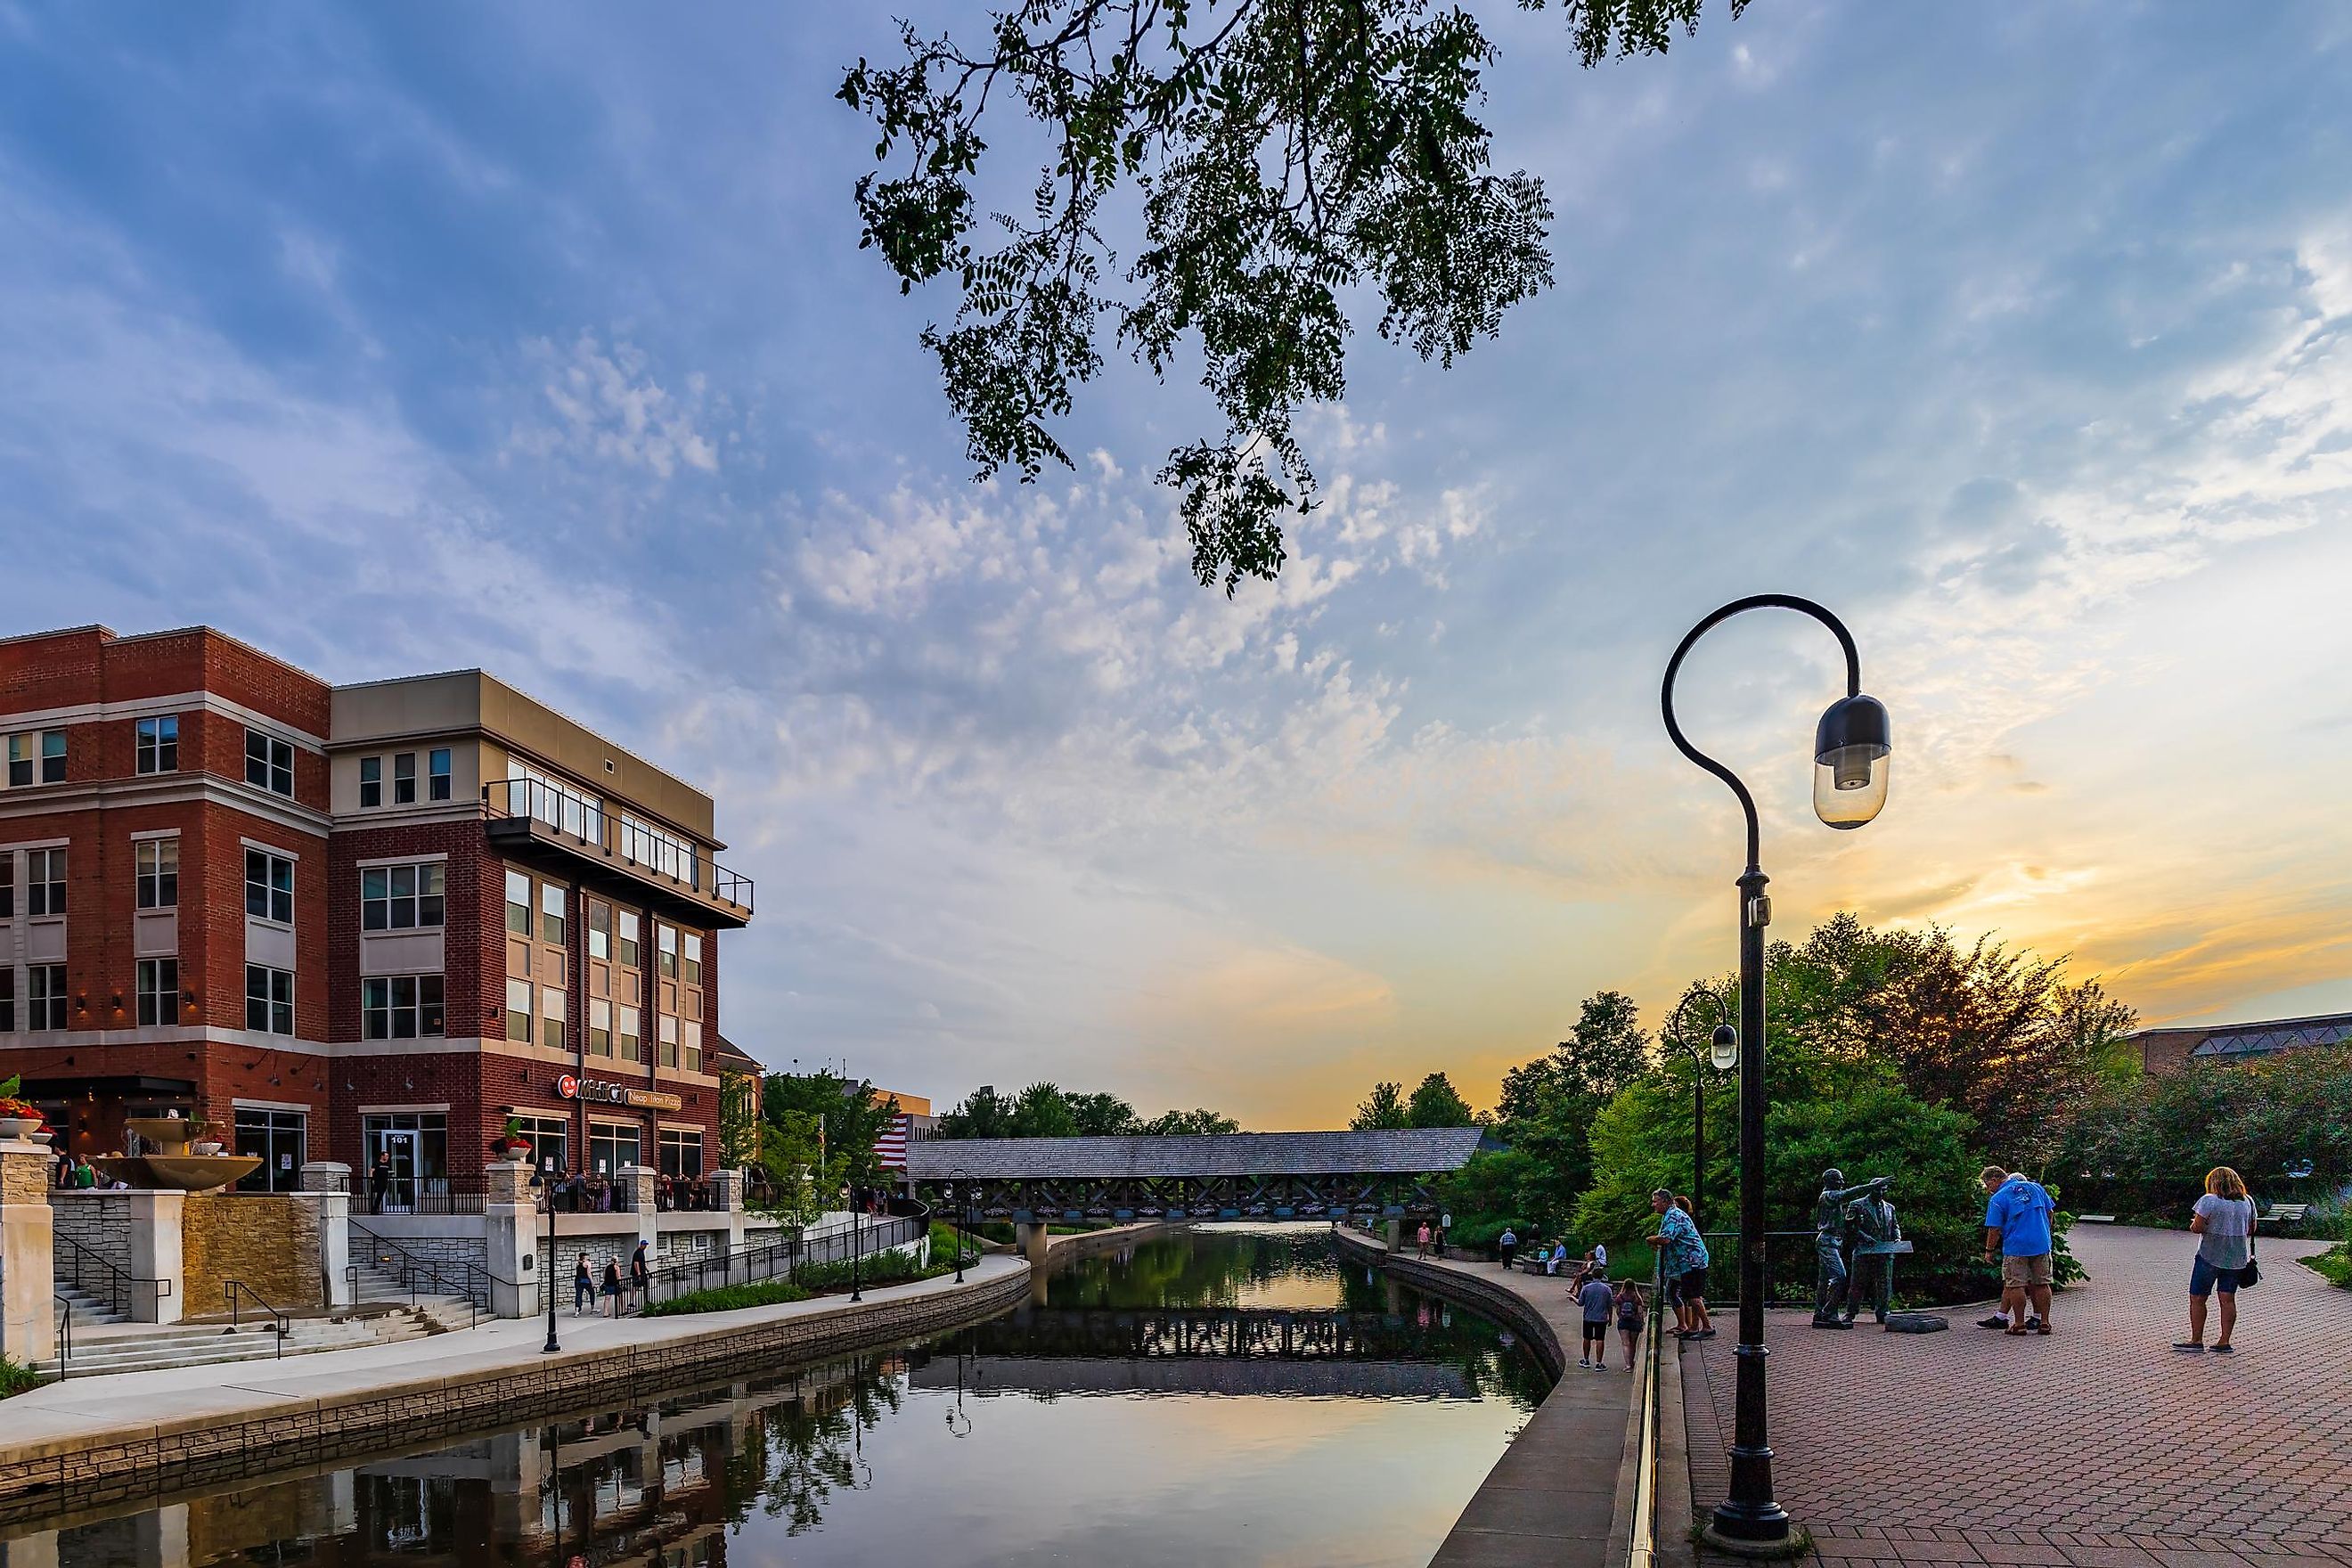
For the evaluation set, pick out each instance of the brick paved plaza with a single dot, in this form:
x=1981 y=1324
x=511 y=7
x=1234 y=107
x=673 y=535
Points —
x=2099 y=1447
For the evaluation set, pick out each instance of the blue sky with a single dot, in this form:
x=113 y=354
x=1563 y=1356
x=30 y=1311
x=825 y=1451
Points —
x=537 y=338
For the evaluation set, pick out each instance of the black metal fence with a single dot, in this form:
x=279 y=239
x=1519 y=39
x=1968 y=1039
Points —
x=784 y=1260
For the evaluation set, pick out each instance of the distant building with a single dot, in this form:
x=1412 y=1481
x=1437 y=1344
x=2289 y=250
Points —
x=2164 y=1051
x=913 y=1123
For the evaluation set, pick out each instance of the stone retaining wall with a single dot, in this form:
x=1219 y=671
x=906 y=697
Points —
x=99 y=1221
x=43 y=1478
x=1504 y=1305
x=268 y=1242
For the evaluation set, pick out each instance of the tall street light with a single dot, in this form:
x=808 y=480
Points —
x=1723 y=1050
x=547 y=1280
x=1850 y=749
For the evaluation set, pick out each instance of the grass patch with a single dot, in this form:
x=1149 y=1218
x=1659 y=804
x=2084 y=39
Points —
x=17 y=1378
x=2335 y=1265
x=813 y=1280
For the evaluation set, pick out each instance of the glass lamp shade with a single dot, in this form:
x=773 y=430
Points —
x=1850 y=752
x=1723 y=1050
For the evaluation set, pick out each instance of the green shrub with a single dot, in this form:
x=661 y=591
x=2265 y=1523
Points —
x=17 y=1378
x=729 y=1298
x=812 y=1280
x=2335 y=1265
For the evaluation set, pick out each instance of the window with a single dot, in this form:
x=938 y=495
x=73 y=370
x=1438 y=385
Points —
x=404 y=779
x=400 y=1006
x=667 y=941
x=610 y=1147
x=550 y=1141
x=518 y=1011
x=668 y=1026
x=666 y=852
x=24 y=759
x=551 y=913
x=8 y=999
x=401 y=898
x=437 y=773
x=689 y=1047
x=600 y=929
x=693 y=959
x=417 y=1145
x=53 y=756
x=551 y=1017
x=268 y=887
x=632 y=1046
x=370 y=782
x=7 y=886
x=279 y=1139
x=269 y=762
x=681 y=1152
x=533 y=793
x=157 y=749
x=629 y=937
x=46 y=996
x=159 y=991
x=600 y=1027
x=269 y=999
x=158 y=873
x=517 y=903
x=44 y=881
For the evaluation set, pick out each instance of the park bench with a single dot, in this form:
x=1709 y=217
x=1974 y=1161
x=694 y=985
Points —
x=2285 y=1214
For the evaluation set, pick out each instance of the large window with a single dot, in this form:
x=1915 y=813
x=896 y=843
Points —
x=681 y=1152
x=158 y=861
x=269 y=887
x=417 y=1143
x=534 y=794
x=551 y=913
x=551 y=1018
x=269 y=999
x=44 y=996
x=550 y=1141
x=437 y=773
x=518 y=1011
x=666 y=939
x=44 y=881
x=400 y=1006
x=611 y=1146
x=404 y=779
x=370 y=782
x=281 y=1138
x=159 y=991
x=400 y=898
x=666 y=852
x=693 y=960
x=37 y=756
x=269 y=762
x=517 y=903
x=157 y=749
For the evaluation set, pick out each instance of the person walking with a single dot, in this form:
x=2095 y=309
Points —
x=1592 y=1294
x=2223 y=1221
x=2017 y=1231
x=584 y=1288
x=1681 y=1255
x=641 y=1274
x=1629 y=1318
x=379 y=1181
x=613 y=1283
x=1421 y=1239
x=1508 y=1245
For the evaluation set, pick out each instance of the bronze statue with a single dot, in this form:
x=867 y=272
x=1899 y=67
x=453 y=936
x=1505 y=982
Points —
x=1830 y=1275
x=1874 y=1237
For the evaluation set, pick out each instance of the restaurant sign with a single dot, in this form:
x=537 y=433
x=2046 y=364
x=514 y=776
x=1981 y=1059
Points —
x=599 y=1091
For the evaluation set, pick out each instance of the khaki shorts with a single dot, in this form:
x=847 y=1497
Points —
x=2019 y=1272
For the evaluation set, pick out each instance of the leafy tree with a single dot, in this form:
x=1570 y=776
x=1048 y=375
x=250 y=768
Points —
x=851 y=1119
x=741 y=1120
x=2143 y=1147
x=1041 y=1111
x=1385 y=1108
x=983 y=1113
x=1291 y=156
x=1436 y=1103
x=1102 y=1115
x=1189 y=1123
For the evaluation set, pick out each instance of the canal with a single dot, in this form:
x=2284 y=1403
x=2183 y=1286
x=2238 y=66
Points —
x=1229 y=1395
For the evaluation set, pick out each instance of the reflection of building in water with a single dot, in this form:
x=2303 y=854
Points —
x=652 y=1486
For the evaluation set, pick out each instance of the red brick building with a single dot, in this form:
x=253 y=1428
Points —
x=346 y=922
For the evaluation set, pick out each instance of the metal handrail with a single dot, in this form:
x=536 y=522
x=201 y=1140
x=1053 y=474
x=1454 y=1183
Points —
x=119 y=1280
x=561 y=809
x=894 y=1231
x=1642 y=1543
x=282 y=1322
x=65 y=1337
x=416 y=1273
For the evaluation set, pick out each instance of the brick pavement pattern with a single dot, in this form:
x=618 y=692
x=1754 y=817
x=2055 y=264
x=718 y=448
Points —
x=2099 y=1447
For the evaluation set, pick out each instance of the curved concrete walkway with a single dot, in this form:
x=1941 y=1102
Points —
x=2098 y=1447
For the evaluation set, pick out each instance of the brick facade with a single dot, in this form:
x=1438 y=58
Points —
x=104 y=1064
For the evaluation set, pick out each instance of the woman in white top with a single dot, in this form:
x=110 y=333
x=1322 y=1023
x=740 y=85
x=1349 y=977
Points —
x=2224 y=1222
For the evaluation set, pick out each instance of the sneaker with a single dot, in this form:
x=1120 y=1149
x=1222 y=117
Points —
x=1995 y=1322
x=2225 y=1350
x=2033 y=1324
x=2189 y=1347
x=1584 y=1361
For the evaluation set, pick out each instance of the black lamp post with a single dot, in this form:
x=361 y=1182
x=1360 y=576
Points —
x=958 y=1179
x=1722 y=1049
x=856 y=1195
x=547 y=1279
x=1850 y=749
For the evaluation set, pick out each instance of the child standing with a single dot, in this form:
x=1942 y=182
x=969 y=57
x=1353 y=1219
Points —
x=1629 y=1318
x=1595 y=1297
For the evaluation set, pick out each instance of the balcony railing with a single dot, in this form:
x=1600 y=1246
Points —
x=642 y=850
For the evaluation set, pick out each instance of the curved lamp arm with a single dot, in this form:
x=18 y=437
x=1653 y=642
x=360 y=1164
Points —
x=1673 y=665
x=1674 y=1018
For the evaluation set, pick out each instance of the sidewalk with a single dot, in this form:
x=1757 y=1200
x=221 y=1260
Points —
x=2098 y=1447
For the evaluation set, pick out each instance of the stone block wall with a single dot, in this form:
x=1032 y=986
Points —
x=269 y=1241
x=99 y=1221
x=454 y=1249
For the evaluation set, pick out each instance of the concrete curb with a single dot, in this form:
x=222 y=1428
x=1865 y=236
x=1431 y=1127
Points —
x=1469 y=1290
x=277 y=1431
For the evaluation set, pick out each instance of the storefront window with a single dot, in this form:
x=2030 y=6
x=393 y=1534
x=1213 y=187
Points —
x=611 y=1146
x=280 y=1138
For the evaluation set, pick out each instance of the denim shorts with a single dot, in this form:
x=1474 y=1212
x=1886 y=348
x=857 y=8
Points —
x=2204 y=1279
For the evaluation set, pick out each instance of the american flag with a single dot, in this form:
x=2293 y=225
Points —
x=890 y=1144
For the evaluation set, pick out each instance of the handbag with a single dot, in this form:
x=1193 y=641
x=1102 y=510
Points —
x=2250 y=1274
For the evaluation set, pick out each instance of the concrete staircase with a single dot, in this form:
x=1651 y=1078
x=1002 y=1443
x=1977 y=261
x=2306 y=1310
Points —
x=442 y=1314
x=125 y=1348
x=85 y=1310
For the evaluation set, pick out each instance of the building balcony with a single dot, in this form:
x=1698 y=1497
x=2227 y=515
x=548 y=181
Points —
x=574 y=836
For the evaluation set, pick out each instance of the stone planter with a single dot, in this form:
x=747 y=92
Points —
x=19 y=1126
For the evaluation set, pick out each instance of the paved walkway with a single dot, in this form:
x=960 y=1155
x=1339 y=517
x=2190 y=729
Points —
x=2096 y=1447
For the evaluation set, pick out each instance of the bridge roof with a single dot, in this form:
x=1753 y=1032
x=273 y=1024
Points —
x=1412 y=1152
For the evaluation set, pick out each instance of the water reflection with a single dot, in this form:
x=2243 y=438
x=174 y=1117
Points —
x=1241 y=1398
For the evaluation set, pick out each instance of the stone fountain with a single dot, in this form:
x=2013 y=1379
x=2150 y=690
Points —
x=169 y=1164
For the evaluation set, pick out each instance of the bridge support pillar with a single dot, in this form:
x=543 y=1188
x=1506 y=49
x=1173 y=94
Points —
x=1030 y=1238
x=1394 y=1234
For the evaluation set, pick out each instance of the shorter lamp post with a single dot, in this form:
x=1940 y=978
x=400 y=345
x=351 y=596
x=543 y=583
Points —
x=547 y=1279
x=855 y=1245
x=1723 y=1051
x=958 y=1179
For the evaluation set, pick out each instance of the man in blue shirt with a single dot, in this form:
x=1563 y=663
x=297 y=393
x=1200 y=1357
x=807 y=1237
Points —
x=2017 y=1230
x=1682 y=1256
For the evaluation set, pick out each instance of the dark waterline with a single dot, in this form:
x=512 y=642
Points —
x=1229 y=1395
